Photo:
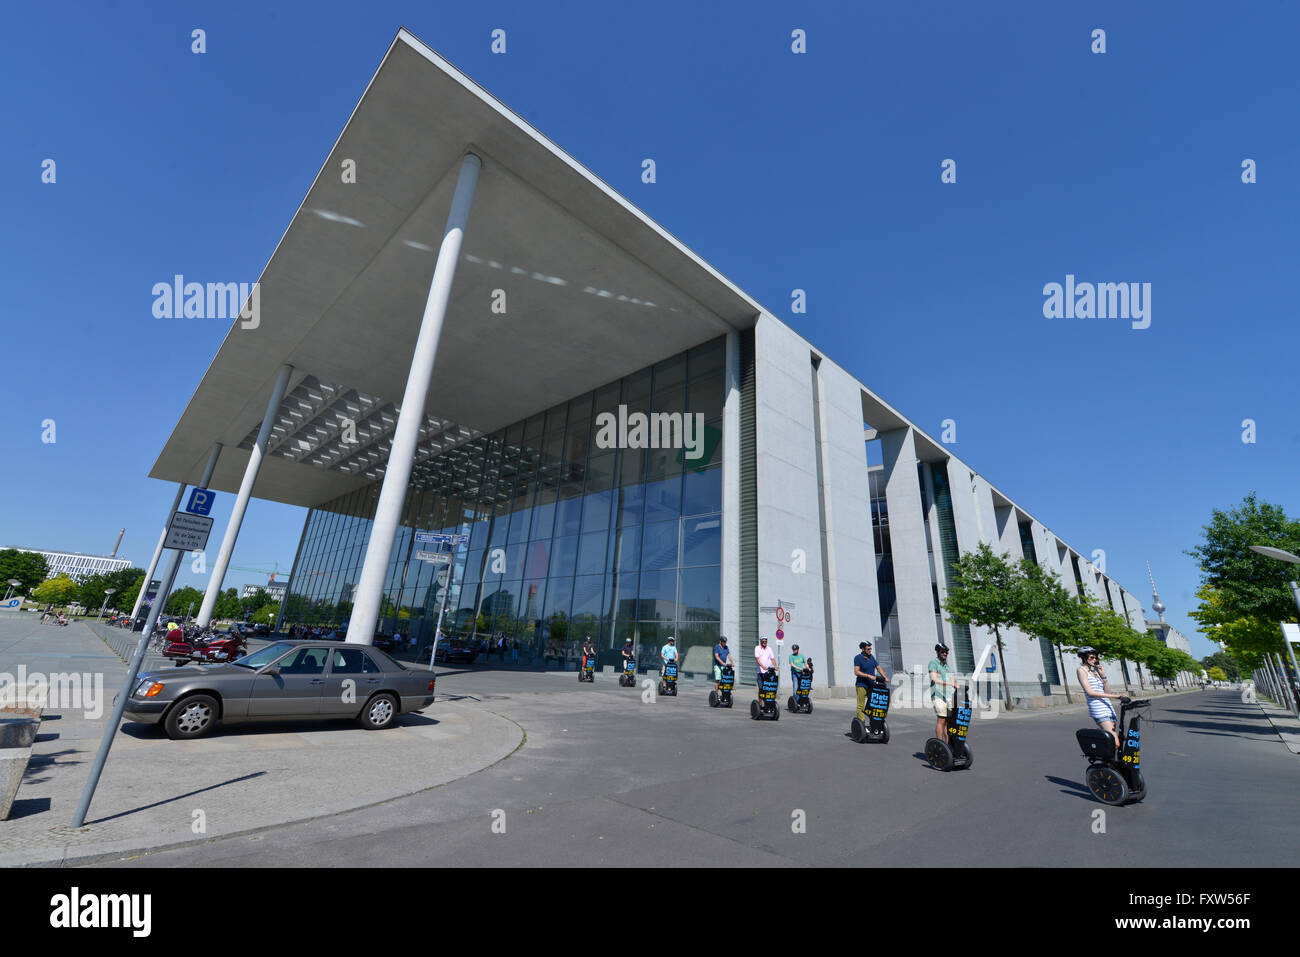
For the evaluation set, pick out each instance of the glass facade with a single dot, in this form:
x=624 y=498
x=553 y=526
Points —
x=569 y=535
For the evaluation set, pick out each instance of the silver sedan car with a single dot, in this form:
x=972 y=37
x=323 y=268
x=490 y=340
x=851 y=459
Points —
x=284 y=680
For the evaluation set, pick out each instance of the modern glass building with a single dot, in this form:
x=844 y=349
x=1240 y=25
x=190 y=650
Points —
x=566 y=539
x=488 y=383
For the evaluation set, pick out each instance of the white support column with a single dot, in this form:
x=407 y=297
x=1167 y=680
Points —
x=397 y=475
x=157 y=552
x=731 y=495
x=241 y=500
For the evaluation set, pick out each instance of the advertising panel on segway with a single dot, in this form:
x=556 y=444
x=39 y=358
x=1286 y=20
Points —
x=765 y=705
x=721 y=696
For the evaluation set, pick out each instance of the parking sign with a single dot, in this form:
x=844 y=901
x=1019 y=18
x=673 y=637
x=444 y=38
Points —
x=201 y=500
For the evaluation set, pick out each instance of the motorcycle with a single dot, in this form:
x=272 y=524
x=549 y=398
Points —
x=204 y=647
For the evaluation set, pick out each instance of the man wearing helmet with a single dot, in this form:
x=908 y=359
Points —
x=942 y=690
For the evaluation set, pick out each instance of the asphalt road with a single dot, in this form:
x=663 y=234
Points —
x=606 y=780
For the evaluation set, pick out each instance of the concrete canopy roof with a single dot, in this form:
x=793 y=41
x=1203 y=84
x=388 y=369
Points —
x=594 y=290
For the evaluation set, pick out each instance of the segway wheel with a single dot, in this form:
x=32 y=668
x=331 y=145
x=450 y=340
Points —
x=938 y=754
x=662 y=688
x=1138 y=788
x=884 y=733
x=808 y=707
x=856 y=731
x=789 y=704
x=713 y=699
x=776 y=713
x=753 y=710
x=970 y=758
x=730 y=702
x=1107 y=785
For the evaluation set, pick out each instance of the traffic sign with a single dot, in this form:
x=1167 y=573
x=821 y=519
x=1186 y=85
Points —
x=188 y=533
x=780 y=615
x=438 y=558
x=437 y=538
x=787 y=614
x=780 y=635
x=200 y=502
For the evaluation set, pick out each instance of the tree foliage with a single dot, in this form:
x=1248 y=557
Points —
x=1243 y=583
x=29 y=568
x=59 y=590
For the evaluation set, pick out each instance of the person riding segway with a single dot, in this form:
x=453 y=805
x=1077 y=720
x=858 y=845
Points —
x=872 y=683
x=628 y=678
x=801 y=701
x=668 y=674
x=588 y=670
x=1114 y=775
x=767 y=682
x=724 y=675
x=949 y=749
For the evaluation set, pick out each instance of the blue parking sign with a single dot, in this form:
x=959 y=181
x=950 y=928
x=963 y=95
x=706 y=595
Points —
x=201 y=500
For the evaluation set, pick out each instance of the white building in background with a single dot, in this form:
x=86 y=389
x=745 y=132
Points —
x=274 y=589
x=76 y=565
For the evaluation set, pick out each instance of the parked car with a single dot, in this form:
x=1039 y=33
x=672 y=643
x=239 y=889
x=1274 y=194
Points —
x=284 y=680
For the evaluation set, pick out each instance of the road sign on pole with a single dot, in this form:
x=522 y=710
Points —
x=200 y=502
x=188 y=532
x=437 y=558
x=437 y=538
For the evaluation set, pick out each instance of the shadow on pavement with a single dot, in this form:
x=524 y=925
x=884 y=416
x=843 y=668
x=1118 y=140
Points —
x=179 y=797
x=1073 y=788
x=1220 y=727
x=146 y=732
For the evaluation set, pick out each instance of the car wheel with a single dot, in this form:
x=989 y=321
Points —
x=379 y=712
x=191 y=717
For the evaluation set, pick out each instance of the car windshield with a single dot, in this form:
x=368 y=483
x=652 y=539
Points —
x=264 y=657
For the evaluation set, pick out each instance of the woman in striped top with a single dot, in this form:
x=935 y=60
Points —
x=1093 y=683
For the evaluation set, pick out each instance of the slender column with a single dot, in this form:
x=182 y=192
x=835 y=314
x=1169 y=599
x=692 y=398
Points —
x=241 y=500
x=731 y=496
x=157 y=554
x=397 y=475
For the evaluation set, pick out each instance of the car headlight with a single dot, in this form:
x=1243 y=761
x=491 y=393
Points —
x=148 y=689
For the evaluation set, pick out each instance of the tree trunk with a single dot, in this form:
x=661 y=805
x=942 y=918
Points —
x=1140 y=681
x=1065 y=680
x=1002 y=664
x=1123 y=670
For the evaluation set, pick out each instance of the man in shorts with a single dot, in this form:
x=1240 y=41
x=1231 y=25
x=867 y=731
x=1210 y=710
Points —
x=943 y=689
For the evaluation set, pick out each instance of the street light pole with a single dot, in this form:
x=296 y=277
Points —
x=107 y=593
x=13 y=583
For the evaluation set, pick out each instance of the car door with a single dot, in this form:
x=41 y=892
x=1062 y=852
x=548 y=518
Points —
x=296 y=690
x=353 y=677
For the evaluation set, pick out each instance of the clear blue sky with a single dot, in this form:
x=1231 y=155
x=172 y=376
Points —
x=819 y=172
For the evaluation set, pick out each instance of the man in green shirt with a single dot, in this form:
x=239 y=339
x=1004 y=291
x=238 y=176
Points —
x=943 y=689
x=797 y=664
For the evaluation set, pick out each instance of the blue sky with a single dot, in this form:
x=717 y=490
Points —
x=818 y=171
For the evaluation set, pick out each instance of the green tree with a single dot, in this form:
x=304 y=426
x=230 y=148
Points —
x=1247 y=638
x=1216 y=673
x=266 y=614
x=59 y=590
x=29 y=568
x=1224 y=662
x=985 y=589
x=227 y=605
x=1048 y=613
x=1244 y=584
x=181 y=599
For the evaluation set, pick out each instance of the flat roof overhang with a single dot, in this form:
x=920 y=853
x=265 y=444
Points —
x=594 y=289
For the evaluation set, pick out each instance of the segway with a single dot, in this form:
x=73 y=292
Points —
x=1115 y=778
x=955 y=753
x=765 y=706
x=800 y=702
x=876 y=730
x=721 y=696
x=588 y=670
x=668 y=682
x=628 y=678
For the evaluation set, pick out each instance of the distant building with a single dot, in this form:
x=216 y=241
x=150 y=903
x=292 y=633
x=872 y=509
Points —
x=274 y=589
x=76 y=565
x=1169 y=635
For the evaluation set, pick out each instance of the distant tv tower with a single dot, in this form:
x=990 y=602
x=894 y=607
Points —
x=1156 y=605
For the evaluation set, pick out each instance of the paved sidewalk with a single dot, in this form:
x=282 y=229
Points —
x=1284 y=723
x=158 y=793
